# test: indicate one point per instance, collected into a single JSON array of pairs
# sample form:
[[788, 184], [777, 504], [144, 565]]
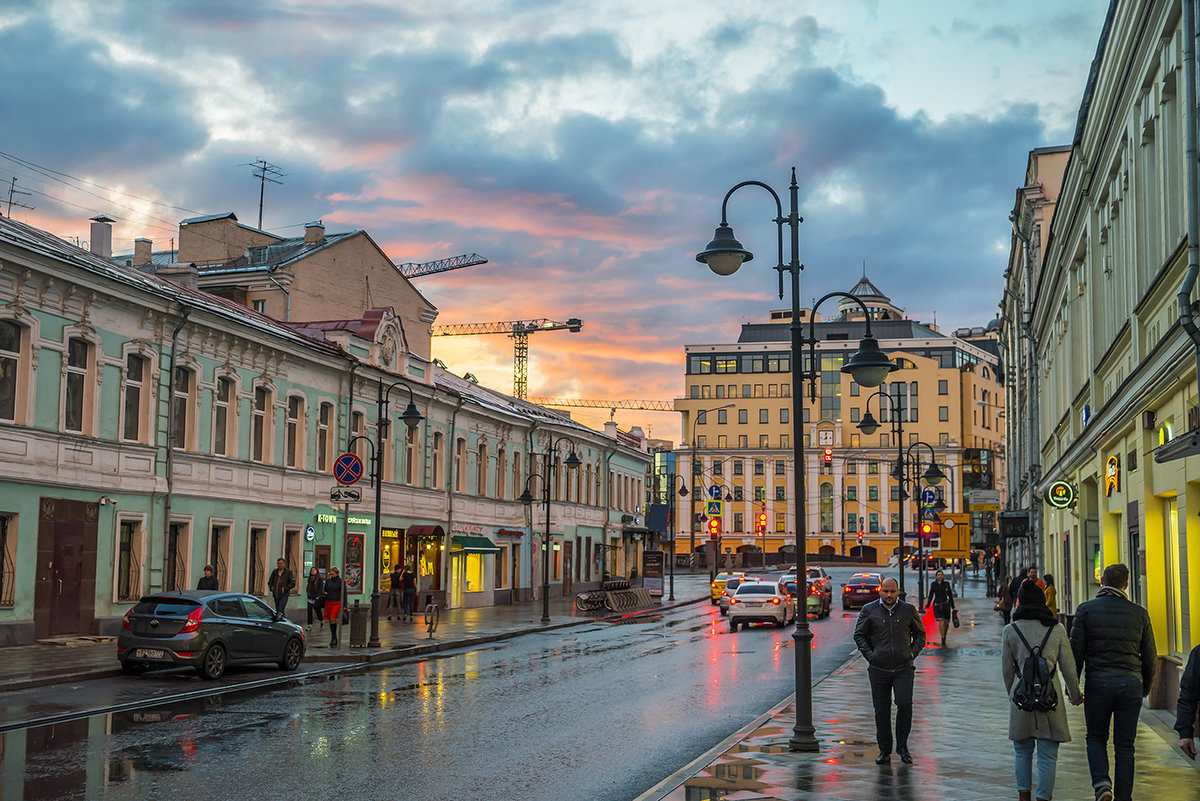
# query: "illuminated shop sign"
[[1112, 475], [1060, 495]]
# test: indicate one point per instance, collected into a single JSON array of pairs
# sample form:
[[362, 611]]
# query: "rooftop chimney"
[[314, 233], [101, 236], [141, 252], [182, 273]]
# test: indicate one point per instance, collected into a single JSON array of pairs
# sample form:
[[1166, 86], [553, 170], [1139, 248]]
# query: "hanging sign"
[[1112, 475], [1060, 495]]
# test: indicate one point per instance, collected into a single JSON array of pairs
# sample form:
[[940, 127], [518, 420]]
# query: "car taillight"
[[845, 589], [714, 585], [125, 621], [193, 621], [732, 601], [725, 593], [775, 601]]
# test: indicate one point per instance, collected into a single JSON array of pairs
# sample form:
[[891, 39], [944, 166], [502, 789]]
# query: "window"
[[780, 467], [743, 441], [718, 467], [912, 402], [943, 413], [873, 492], [324, 439], [8, 554], [77, 407], [944, 438], [943, 387], [853, 390], [739, 521], [130, 542], [136, 398], [182, 403], [783, 415], [779, 523], [220, 547], [785, 441], [720, 392], [701, 418], [852, 493], [737, 494], [873, 525], [412, 453], [760, 493], [256, 563], [737, 467], [764, 416], [259, 306], [481, 469], [854, 440], [460, 465], [13, 367], [722, 416], [224, 416], [895, 521], [502, 471], [763, 440], [295, 432], [178, 555], [851, 521], [722, 441], [260, 428], [872, 468], [745, 394], [851, 467], [826, 501], [780, 493], [439, 456], [854, 415], [894, 492], [759, 467], [358, 428], [743, 416]]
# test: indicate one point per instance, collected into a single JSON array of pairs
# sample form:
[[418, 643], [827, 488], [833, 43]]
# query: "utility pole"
[[12, 190], [264, 171]]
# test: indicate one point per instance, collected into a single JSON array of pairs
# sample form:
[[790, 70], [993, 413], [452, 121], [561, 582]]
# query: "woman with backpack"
[[1035, 648]]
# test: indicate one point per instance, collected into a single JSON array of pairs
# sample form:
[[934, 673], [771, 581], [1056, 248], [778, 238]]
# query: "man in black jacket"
[[281, 583], [1185, 710], [1113, 645], [890, 636]]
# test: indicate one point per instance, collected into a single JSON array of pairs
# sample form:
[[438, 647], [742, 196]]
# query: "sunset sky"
[[583, 148]]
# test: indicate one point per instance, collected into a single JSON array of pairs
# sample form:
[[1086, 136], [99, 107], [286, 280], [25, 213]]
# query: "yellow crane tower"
[[519, 330]]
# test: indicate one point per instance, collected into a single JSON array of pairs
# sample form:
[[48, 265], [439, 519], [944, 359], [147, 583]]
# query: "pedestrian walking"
[[1113, 644], [1051, 595], [1185, 709], [408, 592], [890, 636], [315, 594], [941, 598], [1004, 600], [281, 584], [333, 603], [1035, 627], [209, 580], [393, 599]]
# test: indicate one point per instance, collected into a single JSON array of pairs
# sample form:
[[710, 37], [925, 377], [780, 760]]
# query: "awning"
[[424, 531], [473, 544]]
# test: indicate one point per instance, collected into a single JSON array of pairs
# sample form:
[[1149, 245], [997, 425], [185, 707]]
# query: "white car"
[[760, 602], [730, 588]]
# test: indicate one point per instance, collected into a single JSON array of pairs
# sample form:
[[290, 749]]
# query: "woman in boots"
[[315, 592], [1040, 731], [333, 603]]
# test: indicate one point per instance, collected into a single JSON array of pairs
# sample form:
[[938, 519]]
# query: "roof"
[[276, 254], [365, 327], [864, 288], [840, 329]]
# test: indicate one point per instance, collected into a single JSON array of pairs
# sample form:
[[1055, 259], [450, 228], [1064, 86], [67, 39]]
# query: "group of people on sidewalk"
[[1111, 643]]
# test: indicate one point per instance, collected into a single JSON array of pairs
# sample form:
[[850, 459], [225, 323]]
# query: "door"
[[267, 636], [68, 578], [322, 563], [567, 567], [516, 572], [64, 596]]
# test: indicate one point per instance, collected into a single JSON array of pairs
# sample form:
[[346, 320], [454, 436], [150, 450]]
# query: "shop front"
[[511, 586], [422, 547], [473, 561]]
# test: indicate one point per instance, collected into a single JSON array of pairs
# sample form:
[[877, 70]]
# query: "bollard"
[[432, 613], [359, 617]]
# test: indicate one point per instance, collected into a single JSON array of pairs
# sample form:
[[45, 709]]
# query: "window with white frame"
[[501, 470], [460, 465], [136, 401], [411, 453], [14, 370], [439, 460], [481, 469], [224, 431], [295, 431], [358, 428], [78, 376], [220, 551], [257, 559], [8, 557], [178, 556], [260, 428], [182, 404], [131, 542], [325, 438]]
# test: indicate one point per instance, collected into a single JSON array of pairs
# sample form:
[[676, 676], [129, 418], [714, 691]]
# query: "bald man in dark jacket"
[[1113, 645]]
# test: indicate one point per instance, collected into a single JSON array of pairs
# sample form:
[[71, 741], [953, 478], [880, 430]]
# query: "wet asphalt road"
[[602, 711]]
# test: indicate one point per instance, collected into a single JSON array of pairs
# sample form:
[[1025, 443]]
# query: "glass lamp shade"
[[683, 492], [939, 506], [869, 366], [526, 498], [411, 416], [868, 425], [724, 254], [933, 475], [572, 460]]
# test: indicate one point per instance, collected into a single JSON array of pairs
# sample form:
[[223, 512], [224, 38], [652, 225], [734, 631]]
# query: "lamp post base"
[[804, 736], [374, 641]]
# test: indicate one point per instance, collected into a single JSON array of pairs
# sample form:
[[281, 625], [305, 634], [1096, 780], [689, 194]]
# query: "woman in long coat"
[[1040, 731]]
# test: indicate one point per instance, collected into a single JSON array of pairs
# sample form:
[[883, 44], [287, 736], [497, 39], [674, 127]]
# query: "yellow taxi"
[[719, 584]]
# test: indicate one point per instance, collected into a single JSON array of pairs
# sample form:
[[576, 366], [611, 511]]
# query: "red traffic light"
[[860, 538], [827, 454], [761, 522], [714, 527], [926, 529]]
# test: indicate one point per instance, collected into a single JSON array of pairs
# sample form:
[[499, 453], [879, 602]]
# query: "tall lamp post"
[[411, 416], [932, 476], [869, 425], [695, 472], [869, 367], [681, 482], [572, 461]]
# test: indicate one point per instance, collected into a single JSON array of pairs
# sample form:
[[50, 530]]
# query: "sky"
[[583, 148]]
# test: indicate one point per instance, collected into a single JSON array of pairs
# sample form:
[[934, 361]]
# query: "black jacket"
[[208, 583], [282, 582], [1189, 692], [940, 592], [1112, 636], [316, 588], [889, 639], [333, 590]]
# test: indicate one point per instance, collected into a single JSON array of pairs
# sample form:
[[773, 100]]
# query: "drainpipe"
[[452, 460], [1191, 199], [1031, 389], [283, 289], [170, 458]]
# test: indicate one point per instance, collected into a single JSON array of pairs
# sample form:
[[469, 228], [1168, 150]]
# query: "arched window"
[[460, 465], [481, 470], [439, 457], [14, 370], [501, 471]]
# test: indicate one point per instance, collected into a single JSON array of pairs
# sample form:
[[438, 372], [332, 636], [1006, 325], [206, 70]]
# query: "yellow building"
[[737, 434]]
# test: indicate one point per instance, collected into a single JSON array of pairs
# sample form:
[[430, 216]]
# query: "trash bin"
[[360, 615]]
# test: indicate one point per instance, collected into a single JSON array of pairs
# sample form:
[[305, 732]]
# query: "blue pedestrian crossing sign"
[[713, 508]]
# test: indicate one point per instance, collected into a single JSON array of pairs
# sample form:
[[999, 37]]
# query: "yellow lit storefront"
[[472, 562]]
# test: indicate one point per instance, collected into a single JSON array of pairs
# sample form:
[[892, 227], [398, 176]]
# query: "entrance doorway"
[[322, 559], [66, 566], [567, 562]]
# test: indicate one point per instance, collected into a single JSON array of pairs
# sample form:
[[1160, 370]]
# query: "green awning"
[[462, 542]]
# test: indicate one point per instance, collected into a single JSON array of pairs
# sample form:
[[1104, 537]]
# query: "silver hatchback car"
[[208, 630]]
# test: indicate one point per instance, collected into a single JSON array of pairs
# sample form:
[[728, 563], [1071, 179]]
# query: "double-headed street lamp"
[[869, 425], [932, 476], [869, 367], [681, 482], [411, 416], [572, 461], [694, 518]]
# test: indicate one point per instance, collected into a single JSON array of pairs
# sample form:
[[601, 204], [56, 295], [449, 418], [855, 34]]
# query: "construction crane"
[[519, 330], [582, 403], [415, 270]]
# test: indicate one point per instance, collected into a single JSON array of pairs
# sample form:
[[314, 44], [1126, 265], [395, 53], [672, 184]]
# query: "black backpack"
[[1034, 691]]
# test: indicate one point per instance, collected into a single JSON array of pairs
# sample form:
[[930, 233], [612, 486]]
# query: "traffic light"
[[714, 527], [827, 454], [761, 523], [860, 538], [926, 529]]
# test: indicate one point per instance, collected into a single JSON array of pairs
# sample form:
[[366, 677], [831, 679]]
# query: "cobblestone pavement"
[[959, 740]]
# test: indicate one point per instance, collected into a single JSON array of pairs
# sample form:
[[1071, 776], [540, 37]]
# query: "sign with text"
[[652, 571], [955, 536]]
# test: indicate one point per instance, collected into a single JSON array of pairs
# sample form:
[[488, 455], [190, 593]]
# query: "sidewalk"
[[40, 665], [959, 740]]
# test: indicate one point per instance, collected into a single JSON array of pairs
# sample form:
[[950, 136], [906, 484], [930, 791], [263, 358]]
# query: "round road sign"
[[348, 469]]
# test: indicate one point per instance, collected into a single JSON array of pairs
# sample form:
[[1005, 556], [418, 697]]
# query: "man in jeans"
[[281, 584], [1113, 645], [890, 636]]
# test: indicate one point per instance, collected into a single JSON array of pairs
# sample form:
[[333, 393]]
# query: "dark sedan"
[[861, 589], [208, 630]]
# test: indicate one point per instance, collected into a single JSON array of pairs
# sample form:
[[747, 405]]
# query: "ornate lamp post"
[[869, 425], [411, 416], [681, 482], [869, 367], [932, 476], [572, 461], [695, 472]]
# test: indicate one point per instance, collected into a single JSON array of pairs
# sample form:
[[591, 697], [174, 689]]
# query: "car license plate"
[[752, 604], [149, 653]]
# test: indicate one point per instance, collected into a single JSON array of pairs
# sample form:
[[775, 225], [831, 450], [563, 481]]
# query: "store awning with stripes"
[[470, 544]]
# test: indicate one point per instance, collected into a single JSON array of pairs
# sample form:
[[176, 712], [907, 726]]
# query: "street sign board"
[[955, 536], [713, 508], [714, 492], [348, 469], [928, 496], [345, 495], [985, 500]]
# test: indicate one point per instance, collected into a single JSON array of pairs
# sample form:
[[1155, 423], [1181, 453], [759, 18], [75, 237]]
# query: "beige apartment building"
[[737, 434]]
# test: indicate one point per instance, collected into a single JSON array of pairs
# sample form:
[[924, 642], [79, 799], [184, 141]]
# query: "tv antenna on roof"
[[264, 171]]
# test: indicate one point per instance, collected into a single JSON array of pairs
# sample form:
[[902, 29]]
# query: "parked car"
[[208, 630], [818, 576], [760, 602], [819, 599], [730, 587], [719, 584], [861, 589]]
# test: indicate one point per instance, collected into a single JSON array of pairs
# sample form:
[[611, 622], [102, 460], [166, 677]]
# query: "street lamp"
[[869, 368], [411, 416], [695, 472], [869, 425], [572, 461], [681, 482], [932, 476]]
